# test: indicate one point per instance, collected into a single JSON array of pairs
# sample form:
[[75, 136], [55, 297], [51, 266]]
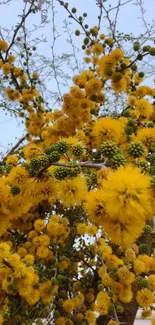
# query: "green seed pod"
[[109, 149], [54, 157], [135, 149], [152, 51], [62, 146], [61, 173], [77, 32], [78, 150], [109, 73], [143, 283], [117, 161], [15, 190], [126, 113], [146, 48], [117, 76], [136, 46], [147, 229], [143, 165], [150, 125], [143, 249], [141, 74], [74, 10]]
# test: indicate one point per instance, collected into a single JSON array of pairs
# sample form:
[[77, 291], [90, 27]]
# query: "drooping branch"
[[13, 149]]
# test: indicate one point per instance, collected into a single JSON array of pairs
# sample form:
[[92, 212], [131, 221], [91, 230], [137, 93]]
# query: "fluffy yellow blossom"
[[72, 191], [139, 267], [151, 281], [146, 313], [105, 129], [3, 45], [145, 298], [95, 206], [144, 107], [146, 135], [18, 176], [4, 251], [68, 305], [39, 225], [102, 303], [90, 317], [127, 203], [153, 320], [12, 160]]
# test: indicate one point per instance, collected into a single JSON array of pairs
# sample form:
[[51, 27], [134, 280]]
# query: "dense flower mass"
[[77, 193]]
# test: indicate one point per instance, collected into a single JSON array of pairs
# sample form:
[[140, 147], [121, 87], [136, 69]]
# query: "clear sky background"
[[128, 21]]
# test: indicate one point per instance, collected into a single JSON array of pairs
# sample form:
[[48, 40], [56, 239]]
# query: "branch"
[[13, 148], [19, 26]]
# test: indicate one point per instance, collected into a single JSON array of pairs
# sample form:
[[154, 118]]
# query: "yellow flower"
[[151, 280], [60, 321], [28, 259], [127, 203], [93, 86], [102, 303], [34, 297], [1, 319], [144, 107], [126, 194], [22, 252], [18, 176], [46, 291], [98, 49], [90, 317], [125, 276], [146, 135], [39, 225], [130, 254], [146, 313], [4, 251], [72, 191], [68, 305], [81, 228], [145, 298], [12, 160], [107, 128], [95, 206], [3, 45], [139, 267], [42, 252]]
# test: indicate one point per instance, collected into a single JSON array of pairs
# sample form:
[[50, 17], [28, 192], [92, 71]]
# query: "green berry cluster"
[[126, 113], [117, 161], [15, 190], [147, 229], [54, 157], [78, 150], [143, 283], [135, 149], [62, 147], [145, 168], [71, 170], [143, 249], [38, 162], [109, 149]]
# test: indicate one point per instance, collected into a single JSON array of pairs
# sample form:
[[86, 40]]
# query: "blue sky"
[[10, 128]]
